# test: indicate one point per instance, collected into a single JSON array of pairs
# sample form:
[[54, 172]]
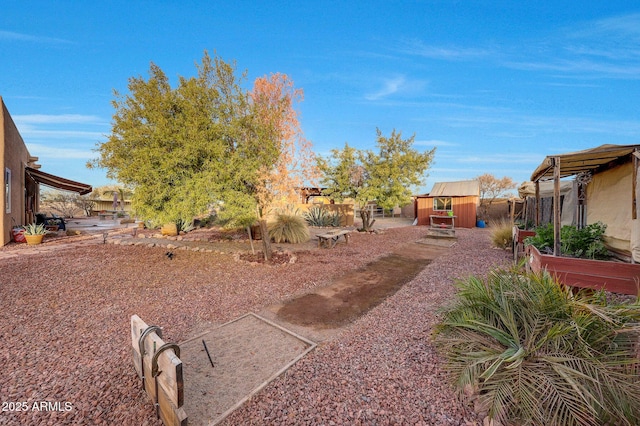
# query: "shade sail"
[[582, 161], [58, 182]]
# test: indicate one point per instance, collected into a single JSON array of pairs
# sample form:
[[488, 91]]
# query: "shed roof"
[[463, 188], [573, 163]]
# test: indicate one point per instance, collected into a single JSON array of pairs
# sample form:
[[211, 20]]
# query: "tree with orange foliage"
[[491, 188], [273, 105], [273, 100]]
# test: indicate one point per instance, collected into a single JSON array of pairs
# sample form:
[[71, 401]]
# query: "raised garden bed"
[[518, 241], [615, 277]]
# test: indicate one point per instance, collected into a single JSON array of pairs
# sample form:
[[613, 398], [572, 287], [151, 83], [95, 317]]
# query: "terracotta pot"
[[33, 240], [170, 229]]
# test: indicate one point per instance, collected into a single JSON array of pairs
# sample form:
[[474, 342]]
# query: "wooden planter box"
[[616, 277], [518, 241]]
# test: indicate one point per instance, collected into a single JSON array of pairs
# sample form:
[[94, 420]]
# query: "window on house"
[[442, 204], [7, 190]]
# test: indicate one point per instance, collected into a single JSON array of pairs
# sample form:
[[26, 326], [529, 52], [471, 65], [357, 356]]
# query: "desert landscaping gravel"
[[64, 332]]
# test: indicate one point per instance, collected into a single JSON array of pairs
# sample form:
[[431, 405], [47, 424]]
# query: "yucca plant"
[[288, 228], [536, 354], [502, 234]]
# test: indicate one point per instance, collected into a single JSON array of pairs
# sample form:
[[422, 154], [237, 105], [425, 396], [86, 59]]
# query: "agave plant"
[[35, 229], [288, 228], [536, 354], [318, 216]]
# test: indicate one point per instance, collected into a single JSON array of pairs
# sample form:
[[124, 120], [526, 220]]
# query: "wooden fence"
[[159, 367]]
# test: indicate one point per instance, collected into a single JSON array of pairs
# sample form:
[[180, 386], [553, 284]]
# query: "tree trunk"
[[266, 241], [367, 222], [250, 240]]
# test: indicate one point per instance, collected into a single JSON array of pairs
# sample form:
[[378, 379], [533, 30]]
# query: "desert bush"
[[318, 216], [586, 242], [288, 228], [536, 354], [502, 234]]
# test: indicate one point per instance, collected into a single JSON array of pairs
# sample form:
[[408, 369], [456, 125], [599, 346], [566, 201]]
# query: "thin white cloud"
[[48, 152], [28, 132], [435, 142], [390, 87], [498, 158], [604, 48], [56, 119], [531, 125], [60, 126], [396, 85], [623, 28], [13, 36], [416, 47]]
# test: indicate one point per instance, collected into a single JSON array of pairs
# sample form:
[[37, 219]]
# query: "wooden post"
[[634, 205], [537, 203], [556, 206]]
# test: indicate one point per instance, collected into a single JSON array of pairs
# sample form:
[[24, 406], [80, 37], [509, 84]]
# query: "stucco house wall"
[[14, 157]]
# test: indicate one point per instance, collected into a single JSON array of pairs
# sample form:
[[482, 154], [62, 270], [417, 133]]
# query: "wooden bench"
[[104, 215], [330, 239]]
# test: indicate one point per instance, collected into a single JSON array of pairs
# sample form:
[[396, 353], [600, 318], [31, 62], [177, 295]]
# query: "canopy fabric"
[[464, 188], [528, 189], [582, 161], [58, 182]]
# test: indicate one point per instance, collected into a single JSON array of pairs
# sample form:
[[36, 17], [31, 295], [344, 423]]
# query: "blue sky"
[[495, 86]]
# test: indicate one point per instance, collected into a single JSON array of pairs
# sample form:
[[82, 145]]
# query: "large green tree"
[[386, 176], [187, 149]]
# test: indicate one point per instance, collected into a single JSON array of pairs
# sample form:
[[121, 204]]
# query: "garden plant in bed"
[[585, 243]]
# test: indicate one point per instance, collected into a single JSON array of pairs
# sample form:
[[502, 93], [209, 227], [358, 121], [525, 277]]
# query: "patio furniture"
[[330, 239], [41, 218]]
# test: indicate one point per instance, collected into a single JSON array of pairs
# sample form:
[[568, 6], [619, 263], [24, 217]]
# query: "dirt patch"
[[356, 293], [277, 257], [247, 353]]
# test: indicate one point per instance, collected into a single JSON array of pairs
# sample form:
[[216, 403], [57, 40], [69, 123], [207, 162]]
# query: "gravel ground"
[[64, 328], [383, 370]]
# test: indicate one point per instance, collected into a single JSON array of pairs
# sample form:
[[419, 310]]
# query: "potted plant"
[[34, 233], [52, 225]]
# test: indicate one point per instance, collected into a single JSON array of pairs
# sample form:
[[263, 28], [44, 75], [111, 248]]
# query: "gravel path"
[[64, 322], [383, 370]]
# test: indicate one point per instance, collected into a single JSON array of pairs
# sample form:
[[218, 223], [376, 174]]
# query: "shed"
[[607, 181], [461, 197]]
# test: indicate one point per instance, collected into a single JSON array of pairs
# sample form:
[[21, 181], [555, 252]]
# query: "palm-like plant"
[[536, 354]]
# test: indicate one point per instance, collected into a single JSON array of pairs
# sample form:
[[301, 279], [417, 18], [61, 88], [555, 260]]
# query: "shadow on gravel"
[[354, 294]]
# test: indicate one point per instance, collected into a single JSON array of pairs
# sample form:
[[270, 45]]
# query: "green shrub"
[[318, 216], [586, 242], [536, 354], [288, 228], [502, 234]]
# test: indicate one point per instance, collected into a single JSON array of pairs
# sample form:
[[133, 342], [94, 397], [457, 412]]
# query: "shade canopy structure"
[[57, 182], [601, 174], [589, 160]]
